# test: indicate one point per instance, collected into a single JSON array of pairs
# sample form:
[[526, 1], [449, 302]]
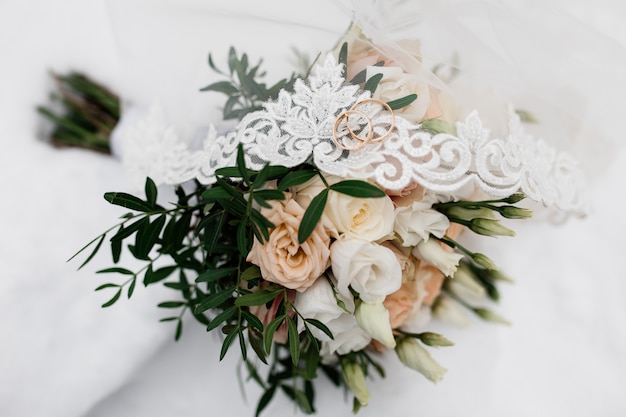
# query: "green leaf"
[[312, 215], [122, 271], [320, 326], [265, 400], [270, 194], [179, 330], [253, 320], [372, 84], [303, 402], [147, 236], [109, 285], [221, 318], [242, 345], [129, 230], [93, 253], [358, 188], [295, 178], [213, 225], [343, 58], [213, 275], [114, 299], [227, 342], [250, 273], [171, 304], [162, 273], [241, 164], [257, 346], [257, 298], [221, 87], [151, 192], [214, 300], [233, 61], [294, 341], [215, 193], [242, 237], [276, 171], [402, 102], [116, 250], [131, 287], [360, 77], [128, 201], [270, 329]]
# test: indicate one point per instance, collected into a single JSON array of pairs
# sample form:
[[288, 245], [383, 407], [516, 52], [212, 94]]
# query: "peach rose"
[[400, 304], [433, 286], [281, 258]]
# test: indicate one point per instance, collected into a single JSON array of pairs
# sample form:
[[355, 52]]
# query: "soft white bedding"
[[63, 356]]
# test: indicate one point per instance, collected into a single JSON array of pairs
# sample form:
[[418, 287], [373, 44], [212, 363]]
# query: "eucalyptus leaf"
[[151, 192], [295, 178], [214, 300], [113, 299], [257, 298], [402, 102], [372, 84], [221, 87], [227, 342], [312, 215], [358, 189], [128, 201], [294, 340], [213, 275], [221, 318]]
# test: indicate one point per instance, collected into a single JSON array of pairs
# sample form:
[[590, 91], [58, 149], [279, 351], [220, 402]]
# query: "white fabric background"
[[61, 355]]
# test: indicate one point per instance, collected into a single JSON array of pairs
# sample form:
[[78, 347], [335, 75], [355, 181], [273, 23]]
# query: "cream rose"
[[281, 258], [369, 219], [370, 269]]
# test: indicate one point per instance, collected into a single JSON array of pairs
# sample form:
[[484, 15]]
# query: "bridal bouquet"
[[324, 230]]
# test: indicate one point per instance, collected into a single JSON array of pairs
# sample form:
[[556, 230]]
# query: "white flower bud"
[[415, 356], [355, 379], [431, 252], [374, 319], [449, 311]]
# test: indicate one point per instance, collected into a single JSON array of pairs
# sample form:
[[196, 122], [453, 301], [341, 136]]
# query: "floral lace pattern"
[[298, 128]]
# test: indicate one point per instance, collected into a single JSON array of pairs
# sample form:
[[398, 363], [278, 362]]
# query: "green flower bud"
[[434, 339], [436, 126], [489, 227], [484, 261], [415, 356], [355, 379], [512, 212], [464, 282], [489, 315], [467, 214], [514, 198]]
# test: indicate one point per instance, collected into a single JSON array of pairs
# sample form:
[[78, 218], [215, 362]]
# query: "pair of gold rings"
[[362, 141]]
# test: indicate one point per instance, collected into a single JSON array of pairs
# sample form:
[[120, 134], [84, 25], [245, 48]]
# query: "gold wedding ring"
[[362, 142]]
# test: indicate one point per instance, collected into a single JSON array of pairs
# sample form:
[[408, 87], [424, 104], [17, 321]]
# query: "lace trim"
[[298, 128]]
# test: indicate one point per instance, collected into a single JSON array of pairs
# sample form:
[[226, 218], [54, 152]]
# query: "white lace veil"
[[542, 58]]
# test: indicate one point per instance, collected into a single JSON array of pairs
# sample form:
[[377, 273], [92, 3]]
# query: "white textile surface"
[[63, 356]]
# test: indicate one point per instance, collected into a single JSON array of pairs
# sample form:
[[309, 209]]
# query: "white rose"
[[318, 302], [416, 222], [369, 219], [370, 269], [431, 252], [396, 84]]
